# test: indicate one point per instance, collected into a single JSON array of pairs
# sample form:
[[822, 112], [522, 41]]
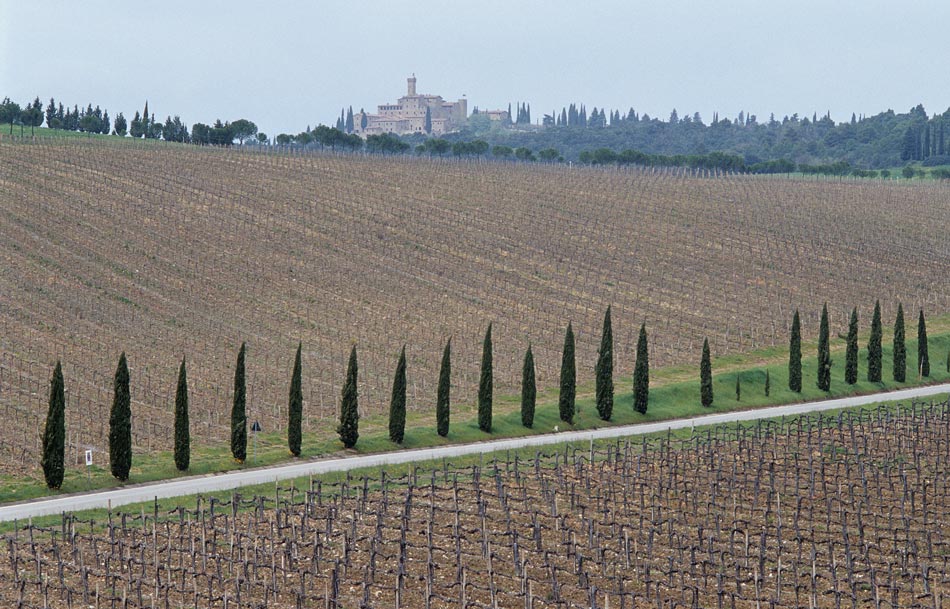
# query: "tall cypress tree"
[[568, 378], [641, 373], [349, 427], [182, 432], [923, 354], [397, 405], [529, 391], [824, 352], [604, 372], [851, 353], [54, 435], [445, 386], [485, 385], [120, 423], [705, 377], [768, 383], [239, 411], [874, 346], [795, 355], [295, 406], [900, 347]]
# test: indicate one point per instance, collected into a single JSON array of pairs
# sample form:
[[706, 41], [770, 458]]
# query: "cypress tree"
[[851, 353], [604, 371], [239, 411], [738, 388], [923, 354], [397, 405], [349, 405], [900, 348], [182, 433], [295, 406], [442, 397], [485, 385], [705, 377], [529, 391], [568, 392], [768, 383], [641, 373], [120, 423], [795, 355], [874, 346], [824, 352], [54, 435]]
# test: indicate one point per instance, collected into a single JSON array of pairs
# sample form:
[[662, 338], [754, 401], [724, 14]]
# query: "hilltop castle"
[[408, 115]]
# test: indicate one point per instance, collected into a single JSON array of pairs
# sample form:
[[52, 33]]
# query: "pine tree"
[[442, 397], [641, 373], [239, 411], [795, 355], [529, 391], [182, 432], [54, 435], [705, 377], [397, 405], [604, 372], [568, 378], [120, 423], [295, 405], [874, 346], [349, 405], [768, 383], [900, 348], [851, 353], [824, 352], [923, 355], [485, 385]]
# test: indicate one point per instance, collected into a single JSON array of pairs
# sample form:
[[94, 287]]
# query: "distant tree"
[[438, 146], [243, 130], [851, 353], [364, 120], [874, 346], [641, 373], [445, 385], [32, 115], [261, 138], [295, 405], [397, 405], [568, 378], [524, 154], [349, 120], [282, 139], [239, 410], [51, 114], [120, 423], [182, 432], [529, 390], [54, 434], [705, 377], [900, 348], [349, 426], [428, 123], [502, 152], [923, 355], [549, 154], [824, 352], [604, 371], [10, 112], [738, 387], [485, 385], [795, 355], [136, 128], [768, 383]]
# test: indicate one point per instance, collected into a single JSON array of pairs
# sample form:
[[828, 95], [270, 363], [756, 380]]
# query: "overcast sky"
[[286, 64]]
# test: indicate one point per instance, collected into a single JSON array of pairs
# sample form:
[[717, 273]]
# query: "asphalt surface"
[[230, 480]]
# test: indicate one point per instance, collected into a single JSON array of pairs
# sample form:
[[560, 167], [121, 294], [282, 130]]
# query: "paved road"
[[225, 481]]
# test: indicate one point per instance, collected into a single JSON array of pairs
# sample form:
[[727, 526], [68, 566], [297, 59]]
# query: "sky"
[[288, 64]]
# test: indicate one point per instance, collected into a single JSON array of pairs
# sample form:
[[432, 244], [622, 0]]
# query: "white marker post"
[[89, 466]]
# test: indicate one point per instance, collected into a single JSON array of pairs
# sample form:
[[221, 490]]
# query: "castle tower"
[[412, 85]]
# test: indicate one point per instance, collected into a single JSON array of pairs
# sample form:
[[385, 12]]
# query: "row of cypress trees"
[[874, 350]]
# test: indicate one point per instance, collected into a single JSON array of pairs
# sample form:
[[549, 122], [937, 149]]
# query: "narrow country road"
[[230, 480]]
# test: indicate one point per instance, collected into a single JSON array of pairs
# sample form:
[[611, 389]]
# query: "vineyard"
[[167, 252], [840, 510]]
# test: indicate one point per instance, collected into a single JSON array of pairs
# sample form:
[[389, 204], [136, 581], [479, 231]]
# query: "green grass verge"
[[674, 394]]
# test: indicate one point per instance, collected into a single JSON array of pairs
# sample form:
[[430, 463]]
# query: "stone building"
[[408, 115]]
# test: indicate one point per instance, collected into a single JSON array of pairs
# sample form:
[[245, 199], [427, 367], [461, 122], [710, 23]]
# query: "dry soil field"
[[170, 251]]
